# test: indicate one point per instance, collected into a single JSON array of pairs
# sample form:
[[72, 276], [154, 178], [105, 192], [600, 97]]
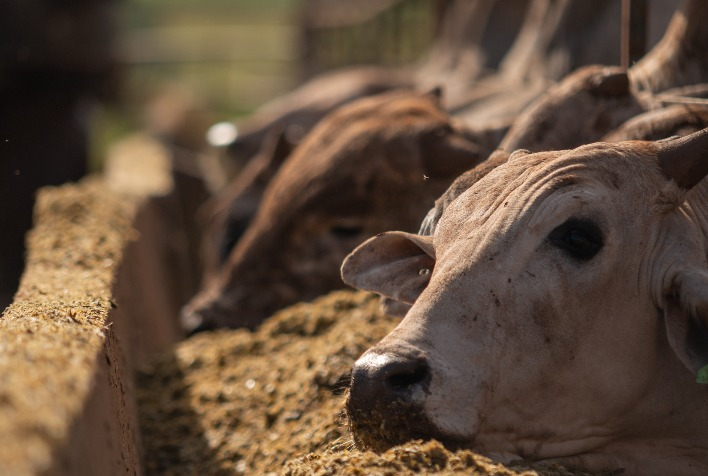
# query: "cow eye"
[[346, 231], [231, 234], [581, 239], [444, 130]]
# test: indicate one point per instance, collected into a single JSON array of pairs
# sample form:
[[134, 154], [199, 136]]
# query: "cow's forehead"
[[345, 153], [516, 190]]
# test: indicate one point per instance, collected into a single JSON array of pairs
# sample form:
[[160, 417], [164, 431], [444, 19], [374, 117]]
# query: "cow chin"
[[378, 429], [206, 315]]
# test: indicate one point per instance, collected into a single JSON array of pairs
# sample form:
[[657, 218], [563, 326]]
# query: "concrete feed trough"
[[84, 314]]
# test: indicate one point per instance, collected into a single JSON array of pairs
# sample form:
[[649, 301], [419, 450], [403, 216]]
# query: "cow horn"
[[685, 160]]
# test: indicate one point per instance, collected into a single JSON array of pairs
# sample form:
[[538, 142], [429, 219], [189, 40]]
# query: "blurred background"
[[77, 75], [227, 57]]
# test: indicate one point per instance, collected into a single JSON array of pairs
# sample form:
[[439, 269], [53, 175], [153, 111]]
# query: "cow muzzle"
[[208, 311], [385, 402]]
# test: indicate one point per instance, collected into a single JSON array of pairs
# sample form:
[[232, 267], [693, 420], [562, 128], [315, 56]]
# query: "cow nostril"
[[380, 379], [411, 374]]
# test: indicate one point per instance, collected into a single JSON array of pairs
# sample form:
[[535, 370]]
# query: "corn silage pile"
[[271, 402]]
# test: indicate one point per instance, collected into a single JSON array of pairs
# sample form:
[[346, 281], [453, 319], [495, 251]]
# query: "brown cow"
[[226, 216], [583, 107], [373, 163]]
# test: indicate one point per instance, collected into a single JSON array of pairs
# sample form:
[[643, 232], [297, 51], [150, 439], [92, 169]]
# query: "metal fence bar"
[[634, 31]]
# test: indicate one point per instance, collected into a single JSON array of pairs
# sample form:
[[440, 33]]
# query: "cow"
[[376, 162], [560, 314], [226, 216], [585, 105]]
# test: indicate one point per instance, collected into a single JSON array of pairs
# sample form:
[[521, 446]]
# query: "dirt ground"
[[270, 402]]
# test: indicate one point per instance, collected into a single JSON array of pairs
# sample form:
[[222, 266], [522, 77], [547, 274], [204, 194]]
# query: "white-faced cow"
[[560, 313], [378, 161]]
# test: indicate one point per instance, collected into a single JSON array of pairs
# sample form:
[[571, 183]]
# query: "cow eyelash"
[[581, 239], [344, 232], [231, 234]]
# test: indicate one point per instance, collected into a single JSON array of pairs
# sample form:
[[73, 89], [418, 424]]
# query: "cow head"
[[377, 162], [580, 109], [226, 217], [559, 298]]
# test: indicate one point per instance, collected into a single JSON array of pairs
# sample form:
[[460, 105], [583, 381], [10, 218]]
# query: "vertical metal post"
[[634, 31]]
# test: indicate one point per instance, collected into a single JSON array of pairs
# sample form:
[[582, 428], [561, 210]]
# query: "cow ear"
[[686, 315], [280, 147], [394, 264], [435, 94], [612, 82]]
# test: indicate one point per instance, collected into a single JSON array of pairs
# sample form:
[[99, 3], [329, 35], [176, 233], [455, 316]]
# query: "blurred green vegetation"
[[224, 58], [228, 56], [142, 12], [235, 54]]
